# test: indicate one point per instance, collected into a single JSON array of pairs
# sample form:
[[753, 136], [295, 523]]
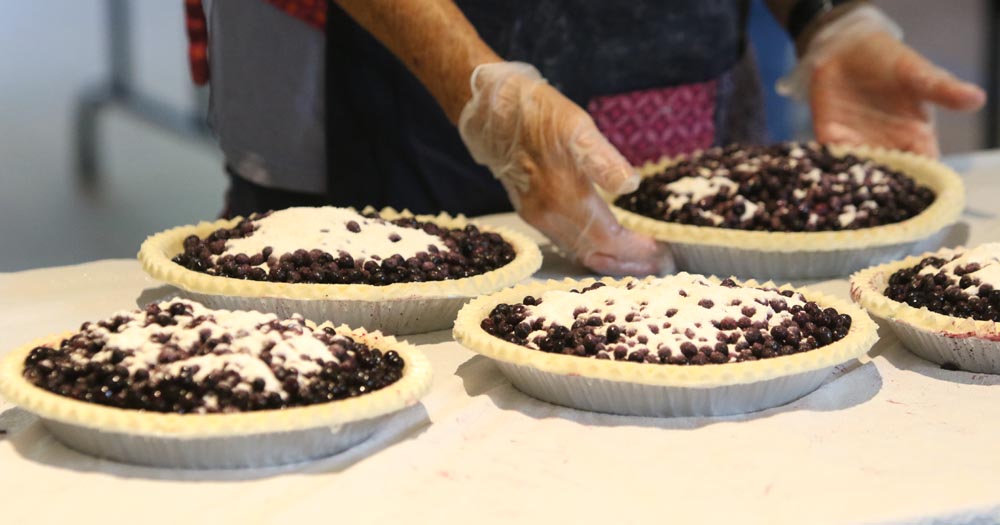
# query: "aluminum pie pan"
[[811, 255], [966, 344], [401, 308], [219, 441], [660, 390]]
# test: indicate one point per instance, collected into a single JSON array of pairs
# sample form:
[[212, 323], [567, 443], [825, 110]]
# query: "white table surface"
[[895, 439]]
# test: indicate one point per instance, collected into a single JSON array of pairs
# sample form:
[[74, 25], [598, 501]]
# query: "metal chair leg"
[[88, 108]]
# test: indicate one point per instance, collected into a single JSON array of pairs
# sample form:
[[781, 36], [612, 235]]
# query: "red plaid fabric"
[[197, 32], [312, 12], [647, 125]]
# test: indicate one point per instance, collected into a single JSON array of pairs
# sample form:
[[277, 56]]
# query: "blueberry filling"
[[459, 253], [952, 286], [785, 187], [181, 357], [671, 324]]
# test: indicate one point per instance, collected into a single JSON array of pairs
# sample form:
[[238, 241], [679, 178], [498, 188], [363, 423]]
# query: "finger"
[[584, 227], [658, 263], [605, 246], [647, 258], [939, 86], [915, 139], [836, 133], [846, 123], [601, 162]]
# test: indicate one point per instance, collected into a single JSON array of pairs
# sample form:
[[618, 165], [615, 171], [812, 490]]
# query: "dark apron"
[[390, 144]]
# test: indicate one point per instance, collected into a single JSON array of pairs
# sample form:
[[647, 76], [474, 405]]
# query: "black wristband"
[[806, 11]]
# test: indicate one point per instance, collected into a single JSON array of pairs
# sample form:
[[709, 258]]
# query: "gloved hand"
[[548, 153], [865, 86]]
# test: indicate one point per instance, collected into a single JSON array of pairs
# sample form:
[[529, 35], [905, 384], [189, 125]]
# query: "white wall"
[[952, 34]]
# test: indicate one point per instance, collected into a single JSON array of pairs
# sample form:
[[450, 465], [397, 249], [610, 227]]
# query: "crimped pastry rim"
[[407, 391], [945, 210], [867, 290], [467, 331], [158, 249]]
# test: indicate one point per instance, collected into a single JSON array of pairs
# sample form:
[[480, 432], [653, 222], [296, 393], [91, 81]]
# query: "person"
[[413, 104]]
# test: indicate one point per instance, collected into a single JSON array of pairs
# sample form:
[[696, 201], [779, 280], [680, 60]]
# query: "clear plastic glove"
[[548, 153], [865, 86]]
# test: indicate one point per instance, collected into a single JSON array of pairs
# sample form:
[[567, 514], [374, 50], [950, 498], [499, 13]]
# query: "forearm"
[[782, 11], [432, 38]]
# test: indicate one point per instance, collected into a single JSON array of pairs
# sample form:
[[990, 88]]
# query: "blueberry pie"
[[179, 384], [676, 345], [945, 305], [792, 210], [383, 270]]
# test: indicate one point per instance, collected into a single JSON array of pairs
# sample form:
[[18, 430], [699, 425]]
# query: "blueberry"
[[823, 335], [727, 323], [179, 309]]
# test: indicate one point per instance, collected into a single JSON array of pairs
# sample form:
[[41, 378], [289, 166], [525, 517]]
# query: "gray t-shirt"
[[267, 94]]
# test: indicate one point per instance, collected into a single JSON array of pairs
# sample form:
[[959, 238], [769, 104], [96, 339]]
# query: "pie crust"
[[809, 255], [624, 387], [233, 440], [401, 308], [969, 344]]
